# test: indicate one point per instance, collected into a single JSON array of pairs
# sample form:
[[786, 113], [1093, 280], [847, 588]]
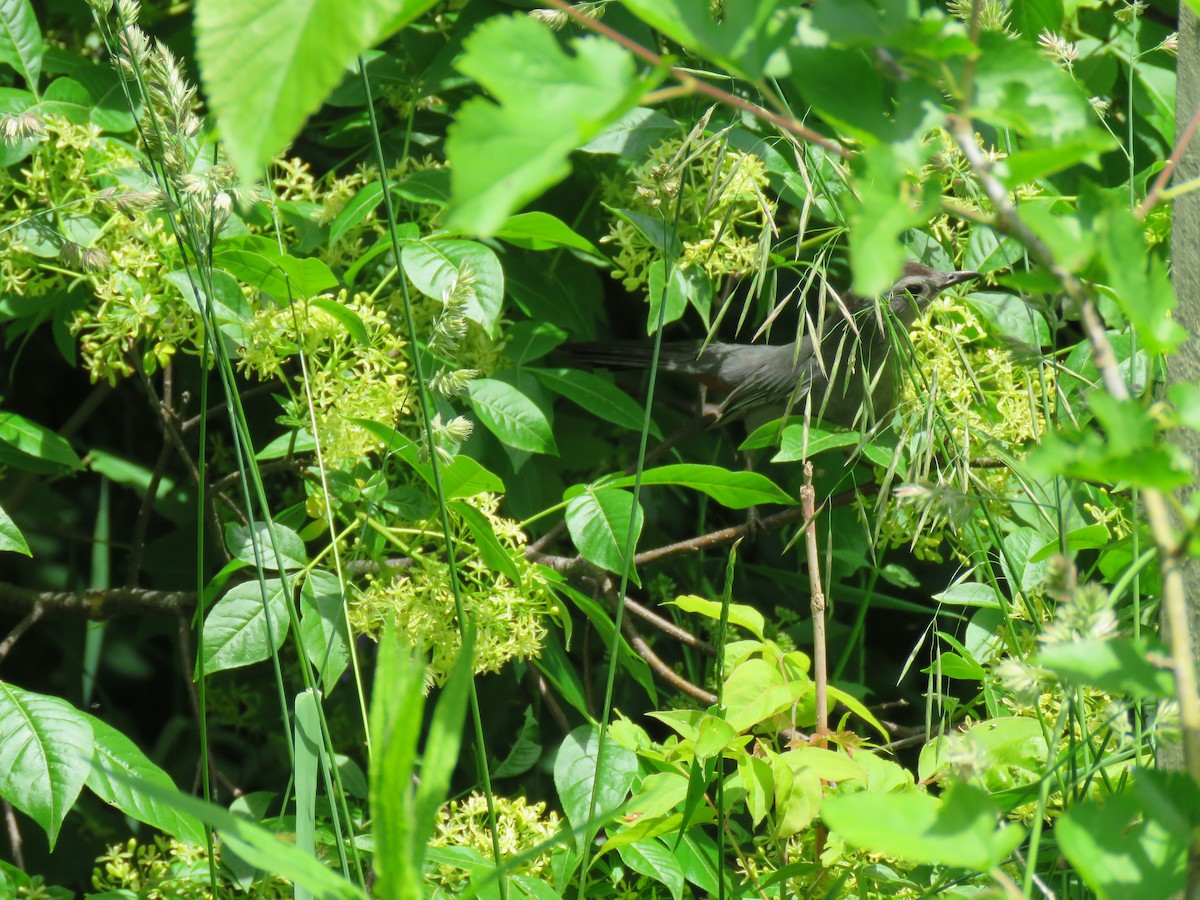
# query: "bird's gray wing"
[[768, 381]]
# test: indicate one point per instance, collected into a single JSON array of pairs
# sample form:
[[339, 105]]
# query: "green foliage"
[[290, 377]]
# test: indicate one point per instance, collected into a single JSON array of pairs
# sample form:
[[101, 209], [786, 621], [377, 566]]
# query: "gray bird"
[[850, 381]]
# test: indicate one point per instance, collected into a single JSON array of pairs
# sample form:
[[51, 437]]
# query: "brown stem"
[[1165, 175], [31, 618], [820, 659]]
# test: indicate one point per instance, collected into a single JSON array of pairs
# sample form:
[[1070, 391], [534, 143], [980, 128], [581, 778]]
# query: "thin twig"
[[808, 504], [1164, 176], [31, 618]]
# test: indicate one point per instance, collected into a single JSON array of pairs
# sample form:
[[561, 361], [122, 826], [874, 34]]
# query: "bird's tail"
[[673, 357]]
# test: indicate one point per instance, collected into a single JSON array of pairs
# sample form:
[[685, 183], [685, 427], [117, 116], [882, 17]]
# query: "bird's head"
[[917, 287]]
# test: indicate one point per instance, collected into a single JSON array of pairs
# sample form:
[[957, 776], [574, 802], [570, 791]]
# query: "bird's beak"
[[953, 278]]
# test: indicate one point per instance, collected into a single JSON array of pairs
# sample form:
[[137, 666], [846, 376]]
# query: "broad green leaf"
[[599, 397], [1086, 537], [844, 86], [294, 52], [237, 631], [511, 416], [742, 38], [736, 490], [323, 627], [253, 545], [542, 231], [755, 691], [1140, 283], [21, 40], [252, 843], [505, 153], [306, 276], [25, 444], [45, 753], [959, 829], [116, 753], [1119, 665], [466, 478], [575, 772], [970, 593], [633, 134], [651, 858], [436, 267], [598, 521], [11, 539], [800, 442], [356, 209], [1134, 844], [739, 614], [1015, 86], [348, 318]]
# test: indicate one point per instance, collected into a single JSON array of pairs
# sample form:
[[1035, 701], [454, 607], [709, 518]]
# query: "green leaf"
[[599, 397], [504, 154], [21, 40], [45, 749], [27, 445], [970, 593], [598, 522], [1014, 86], [649, 857], [960, 829], [511, 416], [349, 319], [736, 490], [323, 627], [494, 554], [306, 276], [800, 442], [1118, 665], [1135, 843], [739, 614], [1139, 281], [542, 231], [116, 753], [11, 539], [742, 39], [1031, 17], [294, 52], [435, 267], [755, 691], [575, 771], [253, 545], [237, 631]]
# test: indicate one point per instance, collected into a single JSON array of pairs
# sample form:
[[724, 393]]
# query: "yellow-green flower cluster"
[[520, 826], [509, 617], [711, 195], [170, 869], [344, 379], [954, 363]]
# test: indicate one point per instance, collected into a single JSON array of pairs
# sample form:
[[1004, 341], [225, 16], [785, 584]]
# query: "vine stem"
[[1155, 503]]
